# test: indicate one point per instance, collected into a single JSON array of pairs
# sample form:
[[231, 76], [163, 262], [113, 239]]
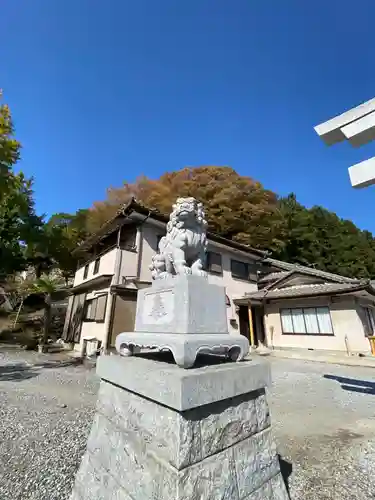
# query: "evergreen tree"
[[18, 221]]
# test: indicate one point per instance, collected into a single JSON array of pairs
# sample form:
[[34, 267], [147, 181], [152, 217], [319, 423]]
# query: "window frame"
[[85, 308], [86, 270], [317, 334], [209, 254], [249, 266], [128, 238], [105, 296], [96, 266], [94, 301]]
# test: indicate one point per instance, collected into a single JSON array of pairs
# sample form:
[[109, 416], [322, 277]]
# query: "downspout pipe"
[[111, 298], [139, 245]]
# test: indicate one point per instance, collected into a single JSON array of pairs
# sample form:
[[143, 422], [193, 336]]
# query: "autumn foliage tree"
[[233, 203], [239, 208]]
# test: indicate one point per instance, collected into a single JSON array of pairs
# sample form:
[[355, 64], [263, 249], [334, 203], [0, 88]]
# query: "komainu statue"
[[182, 250]]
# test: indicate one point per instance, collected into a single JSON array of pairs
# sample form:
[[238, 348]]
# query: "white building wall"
[[93, 328], [150, 234], [128, 264], [234, 288], [107, 266], [345, 319]]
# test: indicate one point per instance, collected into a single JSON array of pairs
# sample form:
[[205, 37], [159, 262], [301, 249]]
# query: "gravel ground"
[[45, 417], [324, 422], [323, 418]]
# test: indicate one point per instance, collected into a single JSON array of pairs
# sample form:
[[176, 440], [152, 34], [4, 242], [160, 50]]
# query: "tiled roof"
[[125, 212], [274, 276], [310, 290], [286, 266]]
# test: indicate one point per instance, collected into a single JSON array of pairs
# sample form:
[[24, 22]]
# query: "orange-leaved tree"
[[237, 207]]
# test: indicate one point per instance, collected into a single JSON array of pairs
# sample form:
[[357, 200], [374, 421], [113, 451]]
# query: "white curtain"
[[298, 321], [89, 310], [286, 321], [324, 320], [311, 320]]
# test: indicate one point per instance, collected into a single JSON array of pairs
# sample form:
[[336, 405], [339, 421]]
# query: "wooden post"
[[251, 327]]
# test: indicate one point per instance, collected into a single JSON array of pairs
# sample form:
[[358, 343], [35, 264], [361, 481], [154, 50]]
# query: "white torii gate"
[[357, 126]]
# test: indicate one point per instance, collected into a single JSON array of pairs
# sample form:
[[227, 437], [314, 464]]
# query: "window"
[[95, 309], [214, 264], [90, 306], [86, 271], [101, 305], [244, 270], [253, 270], [239, 269], [96, 266], [307, 320], [128, 237]]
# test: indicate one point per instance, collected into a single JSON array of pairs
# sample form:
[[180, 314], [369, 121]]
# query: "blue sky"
[[102, 91]]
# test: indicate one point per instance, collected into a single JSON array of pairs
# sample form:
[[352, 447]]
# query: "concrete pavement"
[[331, 357]]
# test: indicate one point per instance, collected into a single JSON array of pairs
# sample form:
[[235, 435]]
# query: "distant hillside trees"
[[237, 207]]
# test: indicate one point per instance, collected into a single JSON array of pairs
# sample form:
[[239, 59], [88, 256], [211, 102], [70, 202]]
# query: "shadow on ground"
[[22, 371], [353, 384], [286, 469]]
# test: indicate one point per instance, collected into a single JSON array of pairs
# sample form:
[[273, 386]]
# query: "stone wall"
[[138, 450]]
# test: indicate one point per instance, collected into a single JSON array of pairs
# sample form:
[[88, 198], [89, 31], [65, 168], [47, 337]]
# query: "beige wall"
[[345, 322], [91, 328], [234, 288], [148, 247], [107, 266], [128, 264]]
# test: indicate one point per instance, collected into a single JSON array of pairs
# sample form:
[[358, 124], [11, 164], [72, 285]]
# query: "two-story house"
[[281, 304], [114, 264]]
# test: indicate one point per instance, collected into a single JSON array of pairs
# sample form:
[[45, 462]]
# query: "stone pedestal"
[[185, 315], [164, 433], [184, 304]]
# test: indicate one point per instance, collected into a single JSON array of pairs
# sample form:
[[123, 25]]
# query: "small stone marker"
[[163, 432]]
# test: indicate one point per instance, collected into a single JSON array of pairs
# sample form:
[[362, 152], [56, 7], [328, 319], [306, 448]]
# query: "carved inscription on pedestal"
[[158, 307]]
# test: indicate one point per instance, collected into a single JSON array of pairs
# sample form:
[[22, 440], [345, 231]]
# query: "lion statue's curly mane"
[[182, 250]]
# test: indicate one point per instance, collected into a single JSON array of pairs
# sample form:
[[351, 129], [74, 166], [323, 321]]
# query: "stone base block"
[[182, 304], [215, 448], [184, 347]]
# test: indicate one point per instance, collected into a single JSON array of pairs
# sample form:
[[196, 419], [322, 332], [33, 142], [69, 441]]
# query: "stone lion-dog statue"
[[183, 249]]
